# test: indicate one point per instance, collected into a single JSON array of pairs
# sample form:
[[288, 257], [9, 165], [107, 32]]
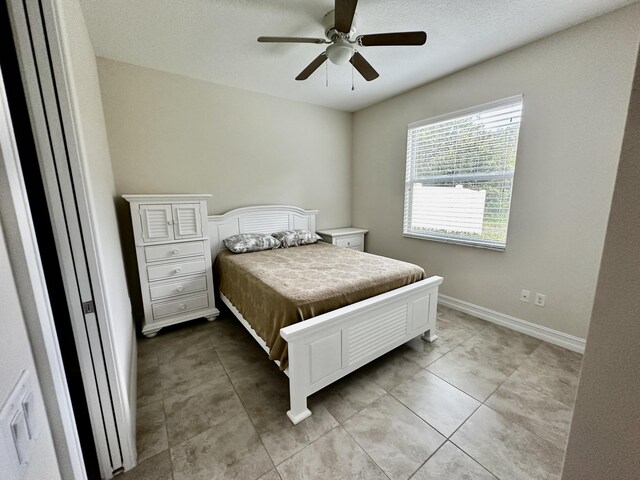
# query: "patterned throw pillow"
[[295, 238], [251, 242]]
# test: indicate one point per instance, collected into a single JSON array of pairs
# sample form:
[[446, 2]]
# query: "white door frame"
[[44, 64], [34, 300]]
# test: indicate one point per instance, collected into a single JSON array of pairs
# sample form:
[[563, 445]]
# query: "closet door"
[[187, 220], [76, 211], [157, 223]]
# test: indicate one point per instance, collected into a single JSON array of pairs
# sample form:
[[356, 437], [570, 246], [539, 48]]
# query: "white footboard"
[[330, 346]]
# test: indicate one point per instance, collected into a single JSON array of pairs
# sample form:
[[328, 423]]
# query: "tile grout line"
[[168, 395], [481, 403], [515, 420], [248, 416], [361, 447], [473, 459], [341, 423], [164, 411]]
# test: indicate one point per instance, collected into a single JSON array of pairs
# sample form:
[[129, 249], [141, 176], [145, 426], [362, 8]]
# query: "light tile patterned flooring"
[[482, 402]]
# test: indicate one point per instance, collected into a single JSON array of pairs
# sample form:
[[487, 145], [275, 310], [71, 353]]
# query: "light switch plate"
[[18, 433]]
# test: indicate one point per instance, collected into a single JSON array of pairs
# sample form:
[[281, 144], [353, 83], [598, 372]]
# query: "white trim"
[[169, 198], [119, 425], [34, 299], [547, 334], [465, 111], [455, 241]]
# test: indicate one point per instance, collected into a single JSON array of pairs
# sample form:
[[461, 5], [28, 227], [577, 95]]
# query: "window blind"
[[459, 175]]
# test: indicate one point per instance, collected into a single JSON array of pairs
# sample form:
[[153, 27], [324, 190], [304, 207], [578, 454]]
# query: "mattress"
[[273, 289]]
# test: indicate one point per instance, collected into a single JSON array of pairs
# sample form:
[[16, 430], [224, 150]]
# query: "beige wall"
[[576, 88], [172, 134], [605, 433]]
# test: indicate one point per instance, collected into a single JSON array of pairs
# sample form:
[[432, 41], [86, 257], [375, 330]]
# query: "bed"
[[340, 336]]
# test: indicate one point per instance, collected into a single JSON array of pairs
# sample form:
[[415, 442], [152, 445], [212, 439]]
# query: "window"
[[460, 175]]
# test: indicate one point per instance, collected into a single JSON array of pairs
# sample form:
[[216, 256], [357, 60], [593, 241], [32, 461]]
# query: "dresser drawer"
[[176, 250], [182, 305], [354, 241], [188, 285], [179, 269]]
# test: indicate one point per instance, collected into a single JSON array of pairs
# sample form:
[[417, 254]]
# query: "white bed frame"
[[330, 346]]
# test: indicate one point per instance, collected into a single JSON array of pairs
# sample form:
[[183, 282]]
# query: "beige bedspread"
[[276, 288]]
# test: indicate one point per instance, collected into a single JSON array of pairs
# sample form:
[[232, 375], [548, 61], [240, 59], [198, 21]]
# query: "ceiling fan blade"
[[312, 67], [345, 10], [366, 70], [291, 40], [397, 38]]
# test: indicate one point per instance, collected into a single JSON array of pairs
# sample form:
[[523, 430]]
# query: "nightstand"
[[347, 237]]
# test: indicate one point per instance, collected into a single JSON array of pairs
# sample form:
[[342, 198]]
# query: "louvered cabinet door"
[[187, 220], [157, 222]]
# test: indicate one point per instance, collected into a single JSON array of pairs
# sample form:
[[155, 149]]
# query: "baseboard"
[[130, 457], [550, 335]]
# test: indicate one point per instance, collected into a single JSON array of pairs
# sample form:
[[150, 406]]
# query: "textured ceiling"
[[215, 40]]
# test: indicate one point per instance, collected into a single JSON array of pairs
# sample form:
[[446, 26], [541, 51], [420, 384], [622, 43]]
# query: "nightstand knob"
[[349, 243], [182, 306], [178, 270], [180, 288], [175, 251]]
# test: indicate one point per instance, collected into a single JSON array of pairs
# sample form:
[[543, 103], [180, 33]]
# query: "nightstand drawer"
[[188, 285], [170, 270], [350, 241], [176, 250], [161, 310]]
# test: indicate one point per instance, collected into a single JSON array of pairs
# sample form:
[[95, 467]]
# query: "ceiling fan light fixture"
[[340, 52]]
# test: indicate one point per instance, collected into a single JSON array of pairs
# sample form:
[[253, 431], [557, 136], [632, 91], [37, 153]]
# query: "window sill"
[[456, 241]]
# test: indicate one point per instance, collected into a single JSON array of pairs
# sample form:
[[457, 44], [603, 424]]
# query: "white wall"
[[605, 433], [16, 356], [173, 134], [576, 88], [91, 138]]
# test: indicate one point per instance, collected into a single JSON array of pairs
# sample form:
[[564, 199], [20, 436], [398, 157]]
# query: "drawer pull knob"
[[349, 243], [178, 270], [175, 251], [180, 288], [182, 306]]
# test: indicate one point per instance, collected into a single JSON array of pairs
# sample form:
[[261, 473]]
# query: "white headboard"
[[258, 219]]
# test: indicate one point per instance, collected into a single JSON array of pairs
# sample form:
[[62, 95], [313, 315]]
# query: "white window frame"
[[410, 178]]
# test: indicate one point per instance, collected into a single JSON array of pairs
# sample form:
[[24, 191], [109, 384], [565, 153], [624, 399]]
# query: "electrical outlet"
[[524, 295], [541, 299]]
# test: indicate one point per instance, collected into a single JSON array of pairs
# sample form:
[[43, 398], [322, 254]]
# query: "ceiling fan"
[[340, 29]]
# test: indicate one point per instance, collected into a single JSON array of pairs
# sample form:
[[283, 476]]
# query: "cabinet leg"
[[151, 334], [430, 335]]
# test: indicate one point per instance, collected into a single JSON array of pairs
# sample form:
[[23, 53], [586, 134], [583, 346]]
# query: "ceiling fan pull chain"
[[353, 87], [326, 72]]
